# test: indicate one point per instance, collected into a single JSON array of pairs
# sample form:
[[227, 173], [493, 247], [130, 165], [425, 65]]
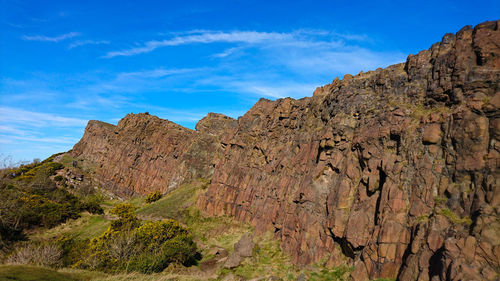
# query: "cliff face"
[[397, 166], [394, 171], [145, 153]]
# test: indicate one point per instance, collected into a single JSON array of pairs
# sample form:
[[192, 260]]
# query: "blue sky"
[[63, 63]]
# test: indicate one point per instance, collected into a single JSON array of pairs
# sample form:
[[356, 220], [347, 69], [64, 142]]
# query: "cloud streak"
[[156, 73], [27, 118], [44, 38], [207, 37], [87, 42], [25, 133]]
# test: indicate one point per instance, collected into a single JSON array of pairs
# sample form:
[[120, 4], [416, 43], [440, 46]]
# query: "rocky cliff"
[[393, 171], [145, 153]]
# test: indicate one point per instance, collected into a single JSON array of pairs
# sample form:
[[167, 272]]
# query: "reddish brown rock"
[[432, 134], [145, 153], [365, 163]]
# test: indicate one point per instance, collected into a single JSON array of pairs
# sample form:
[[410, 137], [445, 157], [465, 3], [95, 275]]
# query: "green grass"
[[439, 200], [85, 227], [174, 204], [336, 273], [180, 205], [32, 273], [268, 259], [420, 110], [454, 218], [85, 166], [423, 218]]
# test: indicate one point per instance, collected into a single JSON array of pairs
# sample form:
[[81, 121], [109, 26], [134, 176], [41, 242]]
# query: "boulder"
[[432, 134]]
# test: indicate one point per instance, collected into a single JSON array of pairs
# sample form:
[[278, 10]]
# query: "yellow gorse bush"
[[148, 247], [153, 196], [154, 233]]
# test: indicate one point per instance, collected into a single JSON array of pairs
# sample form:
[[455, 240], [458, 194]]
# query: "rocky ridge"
[[394, 171], [145, 153]]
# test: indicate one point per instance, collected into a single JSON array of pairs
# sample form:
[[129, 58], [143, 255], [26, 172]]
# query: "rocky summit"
[[393, 172]]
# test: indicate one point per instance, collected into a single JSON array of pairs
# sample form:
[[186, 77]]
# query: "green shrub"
[[124, 210], [155, 233], [148, 248], [93, 207], [180, 249], [31, 199], [45, 168], [454, 218], [439, 200], [58, 178], [127, 219], [153, 197], [72, 249], [39, 210]]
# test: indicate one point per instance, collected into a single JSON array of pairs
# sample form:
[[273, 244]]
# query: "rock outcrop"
[[145, 153], [242, 249], [393, 171]]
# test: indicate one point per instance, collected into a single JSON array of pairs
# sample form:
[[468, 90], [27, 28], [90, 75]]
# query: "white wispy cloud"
[[87, 42], [156, 73], [260, 87], [37, 139], [342, 61], [304, 38], [120, 89], [10, 115], [49, 38], [227, 52], [26, 134], [11, 130], [205, 37], [246, 66], [295, 90], [15, 25]]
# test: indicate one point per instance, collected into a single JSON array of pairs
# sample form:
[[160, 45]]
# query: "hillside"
[[393, 172]]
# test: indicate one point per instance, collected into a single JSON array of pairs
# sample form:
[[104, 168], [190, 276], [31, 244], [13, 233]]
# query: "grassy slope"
[[28, 273], [179, 204], [85, 227], [268, 259], [33, 273]]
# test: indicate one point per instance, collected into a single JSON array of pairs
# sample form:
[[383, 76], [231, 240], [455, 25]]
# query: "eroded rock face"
[[145, 153], [393, 170]]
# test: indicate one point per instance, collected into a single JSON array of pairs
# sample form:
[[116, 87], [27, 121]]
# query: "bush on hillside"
[[127, 219], [153, 197], [180, 249], [129, 246], [30, 198], [41, 255], [73, 249], [92, 205]]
